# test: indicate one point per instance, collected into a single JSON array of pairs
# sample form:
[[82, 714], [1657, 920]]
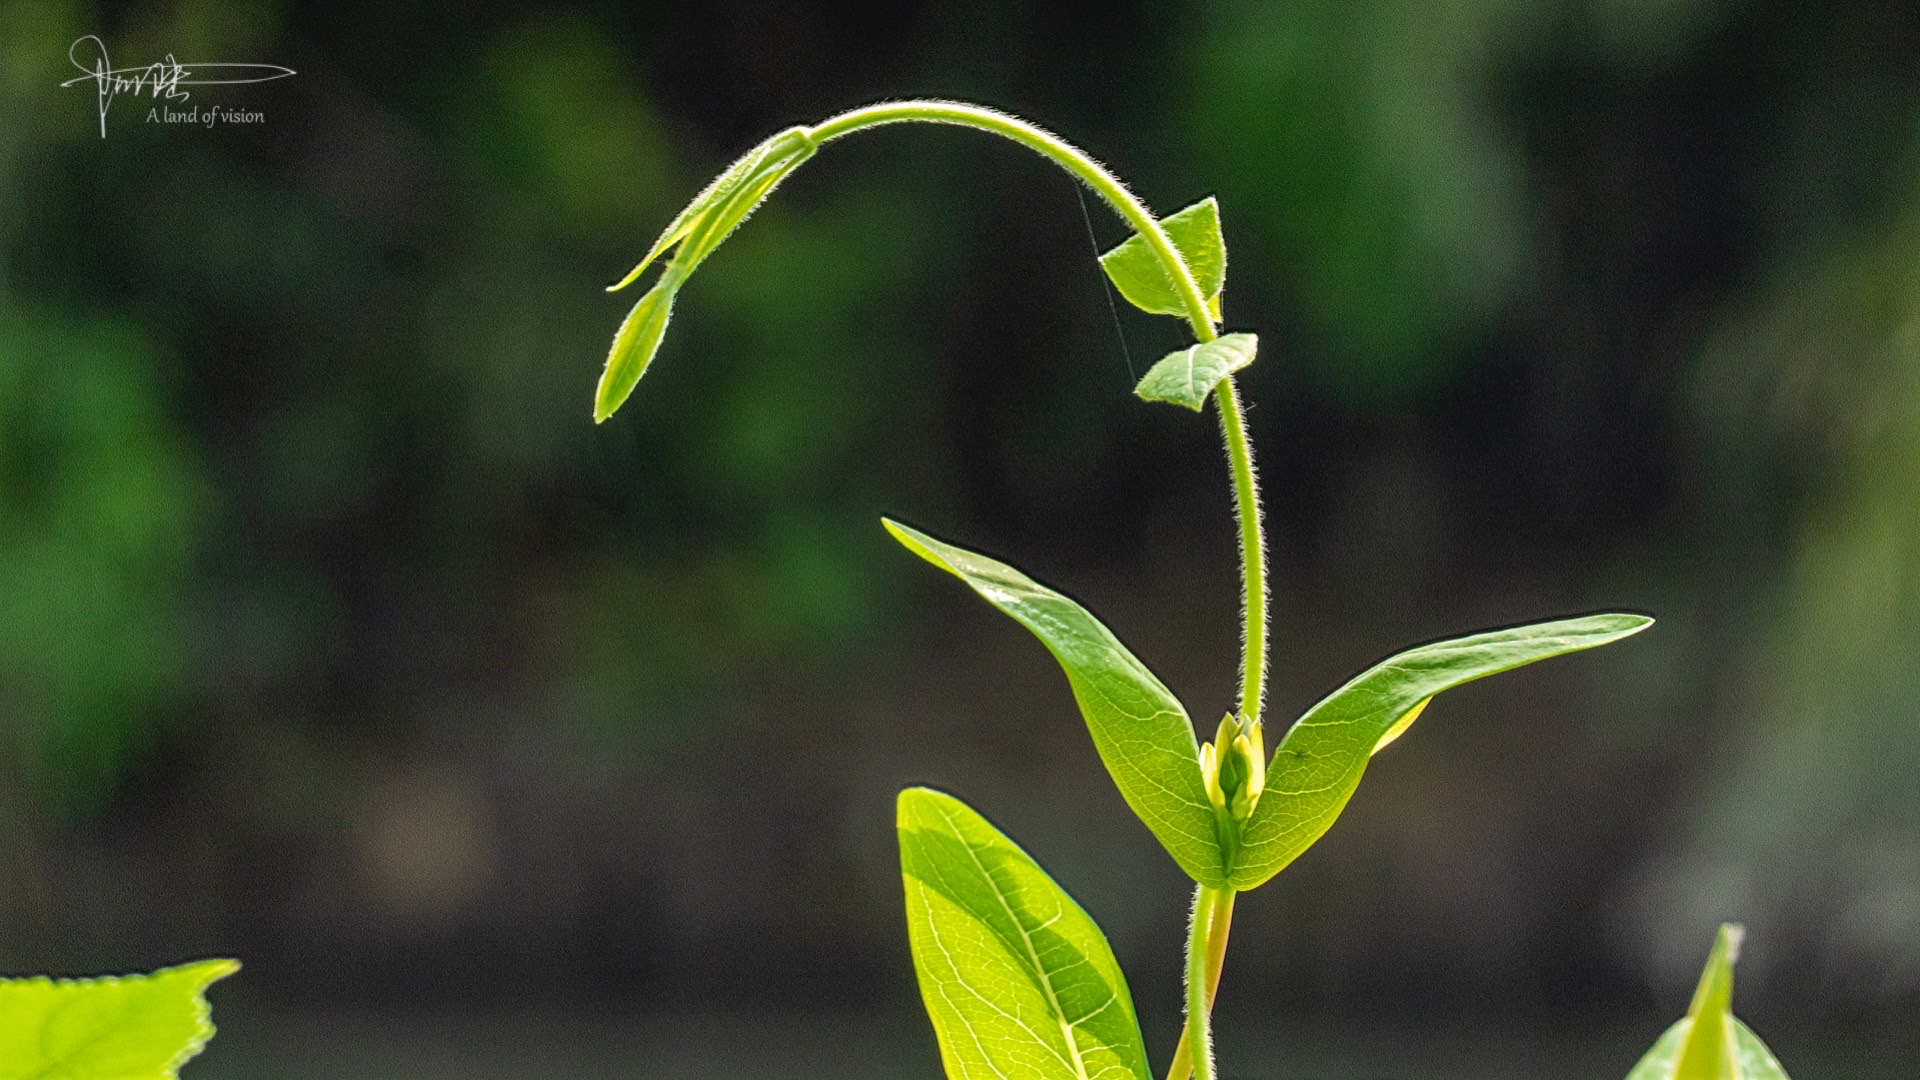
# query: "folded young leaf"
[[1319, 763], [784, 153], [780, 147], [1018, 980], [1140, 729], [1710, 1043], [1186, 377], [136, 1027], [634, 346], [1136, 271]]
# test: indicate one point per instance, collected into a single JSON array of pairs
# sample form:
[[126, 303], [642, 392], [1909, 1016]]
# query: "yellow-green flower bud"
[[1210, 774]]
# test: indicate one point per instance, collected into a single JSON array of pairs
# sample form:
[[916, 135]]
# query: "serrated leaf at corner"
[[1187, 376], [132, 1027]]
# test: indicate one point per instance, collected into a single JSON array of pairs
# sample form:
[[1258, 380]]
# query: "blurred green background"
[[335, 637]]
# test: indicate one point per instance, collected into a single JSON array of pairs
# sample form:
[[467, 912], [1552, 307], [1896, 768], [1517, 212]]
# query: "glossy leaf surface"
[[1017, 979], [1136, 271], [136, 1027], [1710, 1043], [1319, 762], [1140, 729], [1187, 376]]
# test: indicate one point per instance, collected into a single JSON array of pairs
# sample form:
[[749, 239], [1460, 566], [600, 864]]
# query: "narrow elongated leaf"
[[1140, 729], [700, 228], [1186, 377], [1018, 980], [779, 147], [785, 152], [1136, 271], [1710, 1043], [137, 1027], [634, 346], [1319, 763]]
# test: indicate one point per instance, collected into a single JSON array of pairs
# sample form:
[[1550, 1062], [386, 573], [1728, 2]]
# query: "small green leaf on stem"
[[136, 1027], [1140, 729], [634, 346], [1136, 271], [1710, 1043], [1187, 376], [1017, 978], [1319, 763]]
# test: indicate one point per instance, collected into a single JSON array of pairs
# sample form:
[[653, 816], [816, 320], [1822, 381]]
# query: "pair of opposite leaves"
[[1020, 982], [1142, 732]]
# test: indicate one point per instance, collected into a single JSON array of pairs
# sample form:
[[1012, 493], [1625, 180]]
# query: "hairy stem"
[[1136, 214], [1213, 908], [1221, 921]]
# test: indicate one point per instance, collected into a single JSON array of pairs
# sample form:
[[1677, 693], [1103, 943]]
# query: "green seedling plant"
[[1017, 979]]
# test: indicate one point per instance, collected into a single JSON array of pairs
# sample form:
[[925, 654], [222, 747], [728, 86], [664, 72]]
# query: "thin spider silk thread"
[[1106, 286]]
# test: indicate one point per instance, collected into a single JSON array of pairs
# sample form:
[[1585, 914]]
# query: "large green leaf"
[[1710, 1043], [1318, 764], [1136, 271], [1186, 377], [1017, 979], [1140, 729], [137, 1027]]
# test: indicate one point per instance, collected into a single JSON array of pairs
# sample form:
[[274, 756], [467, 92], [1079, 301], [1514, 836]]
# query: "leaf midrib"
[[1026, 939]]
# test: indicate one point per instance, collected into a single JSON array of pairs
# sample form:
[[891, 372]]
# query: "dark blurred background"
[[335, 637]]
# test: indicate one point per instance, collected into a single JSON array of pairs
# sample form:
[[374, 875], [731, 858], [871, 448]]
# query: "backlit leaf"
[[1136, 271], [784, 153], [753, 163], [1140, 729], [634, 346], [135, 1027], [1710, 1043], [1018, 980], [1319, 762], [1186, 377]]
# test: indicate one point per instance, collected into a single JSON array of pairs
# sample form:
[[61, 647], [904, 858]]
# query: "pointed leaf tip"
[[1320, 760], [1710, 1043], [1140, 729]]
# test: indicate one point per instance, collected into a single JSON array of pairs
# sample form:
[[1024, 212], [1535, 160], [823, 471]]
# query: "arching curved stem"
[[1213, 908], [1136, 214]]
